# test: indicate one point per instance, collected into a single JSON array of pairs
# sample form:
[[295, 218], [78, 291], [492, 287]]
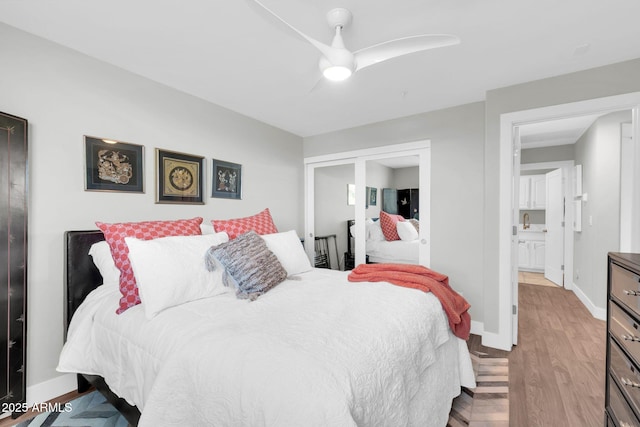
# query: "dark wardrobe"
[[403, 202], [13, 266]]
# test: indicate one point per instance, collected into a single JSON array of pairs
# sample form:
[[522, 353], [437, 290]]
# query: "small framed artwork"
[[373, 196], [179, 177], [113, 165], [227, 180]]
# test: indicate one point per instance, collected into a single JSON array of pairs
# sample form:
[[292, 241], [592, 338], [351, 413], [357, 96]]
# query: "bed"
[[314, 350], [380, 250]]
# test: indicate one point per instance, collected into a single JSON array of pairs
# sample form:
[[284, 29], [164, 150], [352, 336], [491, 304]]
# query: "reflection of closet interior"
[[405, 202]]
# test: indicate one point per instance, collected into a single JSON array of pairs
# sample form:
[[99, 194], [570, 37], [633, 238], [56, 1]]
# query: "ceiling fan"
[[338, 63]]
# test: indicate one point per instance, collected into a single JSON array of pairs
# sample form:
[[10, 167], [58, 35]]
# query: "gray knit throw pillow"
[[249, 265]]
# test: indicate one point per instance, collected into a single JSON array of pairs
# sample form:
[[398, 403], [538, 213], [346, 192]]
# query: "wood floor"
[[557, 370]]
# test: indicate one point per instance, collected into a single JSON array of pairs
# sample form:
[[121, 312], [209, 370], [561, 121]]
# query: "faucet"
[[525, 221]]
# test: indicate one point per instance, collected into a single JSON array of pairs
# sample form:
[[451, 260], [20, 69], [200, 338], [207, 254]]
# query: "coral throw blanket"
[[426, 280]]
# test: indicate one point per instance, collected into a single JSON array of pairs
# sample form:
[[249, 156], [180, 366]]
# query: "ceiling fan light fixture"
[[337, 73]]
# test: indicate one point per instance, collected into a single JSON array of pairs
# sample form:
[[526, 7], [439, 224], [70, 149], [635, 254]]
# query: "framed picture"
[[226, 180], [373, 196], [113, 165], [179, 177]]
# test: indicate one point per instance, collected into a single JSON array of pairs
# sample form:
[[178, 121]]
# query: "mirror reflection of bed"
[[403, 250], [397, 183]]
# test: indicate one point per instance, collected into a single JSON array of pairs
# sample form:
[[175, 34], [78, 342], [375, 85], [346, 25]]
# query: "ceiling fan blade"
[[392, 49], [323, 48]]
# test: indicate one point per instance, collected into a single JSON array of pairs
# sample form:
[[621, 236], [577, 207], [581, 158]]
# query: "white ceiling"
[[555, 132], [230, 52]]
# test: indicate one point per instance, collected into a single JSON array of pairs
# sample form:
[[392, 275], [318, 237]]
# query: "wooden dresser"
[[622, 396]]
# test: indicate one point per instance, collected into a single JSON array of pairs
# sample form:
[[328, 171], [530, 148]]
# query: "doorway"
[[507, 240]]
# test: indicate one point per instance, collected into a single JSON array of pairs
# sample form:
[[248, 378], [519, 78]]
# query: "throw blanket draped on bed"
[[426, 280]]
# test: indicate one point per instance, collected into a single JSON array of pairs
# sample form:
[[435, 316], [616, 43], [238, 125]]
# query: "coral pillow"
[[115, 234], [388, 223], [261, 223]]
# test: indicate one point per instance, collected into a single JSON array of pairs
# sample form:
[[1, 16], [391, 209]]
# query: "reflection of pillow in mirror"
[[415, 223], [388, 223], [375, 232], [406, 231]]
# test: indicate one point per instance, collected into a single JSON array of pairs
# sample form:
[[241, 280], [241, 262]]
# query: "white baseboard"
[[490, 339], [47, 390], [597, 312], [477, 328]]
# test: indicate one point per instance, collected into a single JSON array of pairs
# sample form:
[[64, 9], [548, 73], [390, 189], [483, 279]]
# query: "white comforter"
[[395, 251], [315, 352]]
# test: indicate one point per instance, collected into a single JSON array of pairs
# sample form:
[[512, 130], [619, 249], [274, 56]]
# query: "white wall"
[[406, 178], [598, 151], [65, 95]]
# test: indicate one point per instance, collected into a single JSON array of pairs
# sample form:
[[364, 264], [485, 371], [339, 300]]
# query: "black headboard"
[[80, 274]]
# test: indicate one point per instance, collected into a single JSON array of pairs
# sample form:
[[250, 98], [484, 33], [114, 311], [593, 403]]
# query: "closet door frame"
[[359, 158]]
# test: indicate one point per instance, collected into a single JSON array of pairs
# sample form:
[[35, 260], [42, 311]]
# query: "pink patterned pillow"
[[388, 224], [115, 233], [261, 223]]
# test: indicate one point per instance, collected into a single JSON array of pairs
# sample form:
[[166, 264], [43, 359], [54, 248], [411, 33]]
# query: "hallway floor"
[[557, 370], [532, 278]]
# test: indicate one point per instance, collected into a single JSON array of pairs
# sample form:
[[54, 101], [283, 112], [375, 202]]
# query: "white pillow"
[[289, 251], [206, 228], [375, 232], [103, 260], [171, 270], [406, 231]]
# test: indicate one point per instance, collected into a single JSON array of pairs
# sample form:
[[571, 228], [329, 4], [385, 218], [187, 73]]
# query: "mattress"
[[316, 350]]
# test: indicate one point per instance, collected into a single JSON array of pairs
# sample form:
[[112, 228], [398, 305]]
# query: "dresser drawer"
[[625, 330], [625, 286], [620, 410], [622, 369]]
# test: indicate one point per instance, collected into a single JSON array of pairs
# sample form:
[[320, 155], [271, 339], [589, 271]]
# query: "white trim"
[[502, 339], [50, 389], [386, 149], [477, 328], [627, 185], [597, 312]]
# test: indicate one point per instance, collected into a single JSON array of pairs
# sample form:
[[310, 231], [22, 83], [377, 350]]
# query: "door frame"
[[508, 121], [359, 158]]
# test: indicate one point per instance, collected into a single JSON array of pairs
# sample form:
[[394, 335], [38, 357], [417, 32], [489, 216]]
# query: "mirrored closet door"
[[345, 193]]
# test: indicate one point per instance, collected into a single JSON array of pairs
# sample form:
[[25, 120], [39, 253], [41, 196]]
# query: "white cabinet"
[[533, 192], [531, 251]]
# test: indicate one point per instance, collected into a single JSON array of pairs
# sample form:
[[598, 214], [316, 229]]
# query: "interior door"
[[515, 221], [554, 236]]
